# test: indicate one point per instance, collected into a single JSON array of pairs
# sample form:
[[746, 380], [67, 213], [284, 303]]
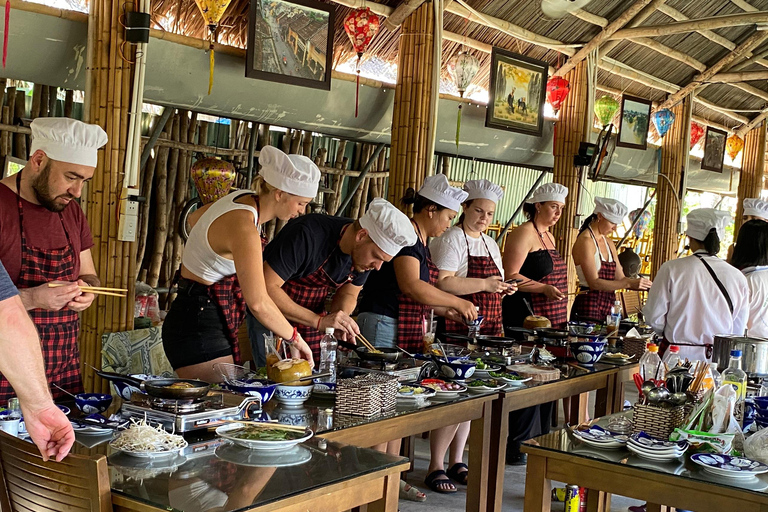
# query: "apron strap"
[[717, 282]]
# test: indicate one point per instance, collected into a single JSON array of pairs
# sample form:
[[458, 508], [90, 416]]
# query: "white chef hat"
[[548, 192], [702, 220], [483, 189], [613, 210], [389, 228], [295, 174], [67, 140], [437, 189], [756, 208]]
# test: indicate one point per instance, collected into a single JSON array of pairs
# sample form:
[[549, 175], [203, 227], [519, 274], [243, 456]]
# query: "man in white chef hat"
[[315, 254], [696, 297], [755, 209], [46, 239]]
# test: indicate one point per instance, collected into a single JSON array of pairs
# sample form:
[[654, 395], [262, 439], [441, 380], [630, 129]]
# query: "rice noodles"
[[141, 437]]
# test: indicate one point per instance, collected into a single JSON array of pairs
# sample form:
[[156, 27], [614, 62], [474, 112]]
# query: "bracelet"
[[319, 320], [293, 337]]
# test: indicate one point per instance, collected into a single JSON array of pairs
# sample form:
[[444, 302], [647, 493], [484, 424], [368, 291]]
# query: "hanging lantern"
[[212, 11], [213, 178], [557, 90], [462, 67], [697, 132], [733, 146], [360, 25], [605, 108], [663, 121]]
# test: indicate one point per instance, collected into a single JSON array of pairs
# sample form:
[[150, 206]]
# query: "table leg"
[[654, 507], [497, 456], [538, 488], [598, 501], [479, 457], [579, 413], [389, 500]]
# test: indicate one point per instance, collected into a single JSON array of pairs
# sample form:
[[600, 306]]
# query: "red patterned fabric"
[[595, 305], [555, 310], [481, 267], [58, 330], [411, 315]]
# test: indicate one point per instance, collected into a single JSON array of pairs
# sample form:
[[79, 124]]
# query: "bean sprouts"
[[142, 437]]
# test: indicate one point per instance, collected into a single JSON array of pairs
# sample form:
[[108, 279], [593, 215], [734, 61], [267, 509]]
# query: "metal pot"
[[754, 353]]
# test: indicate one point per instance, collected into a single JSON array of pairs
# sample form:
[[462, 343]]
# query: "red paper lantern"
[[360, 25], [557, 90], [697, 132]]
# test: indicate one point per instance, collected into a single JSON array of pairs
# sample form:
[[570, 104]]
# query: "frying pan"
[[160, 388], [387, 354]]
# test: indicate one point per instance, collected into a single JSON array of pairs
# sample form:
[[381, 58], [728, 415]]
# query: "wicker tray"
[[366, 395], [634, 346], [656, 421]]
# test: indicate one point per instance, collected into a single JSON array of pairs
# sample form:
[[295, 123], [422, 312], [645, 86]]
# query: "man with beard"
[[46, 239]]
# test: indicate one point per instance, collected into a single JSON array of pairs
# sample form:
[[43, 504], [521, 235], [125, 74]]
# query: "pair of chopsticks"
[[96, 290], [699, 373], [368, 344], [269, 424]]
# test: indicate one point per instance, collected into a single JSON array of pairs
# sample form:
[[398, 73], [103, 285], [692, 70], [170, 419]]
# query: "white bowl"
[[293, 395]]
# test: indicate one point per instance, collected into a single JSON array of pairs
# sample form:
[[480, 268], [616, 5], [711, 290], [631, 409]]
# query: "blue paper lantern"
[[663, 120]]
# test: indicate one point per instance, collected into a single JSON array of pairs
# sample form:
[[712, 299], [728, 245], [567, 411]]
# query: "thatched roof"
[[186, 19]]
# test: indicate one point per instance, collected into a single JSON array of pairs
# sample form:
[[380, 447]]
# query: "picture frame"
[[290, 41], [635, 121], [12, 165], [517, 93], [714, 150]]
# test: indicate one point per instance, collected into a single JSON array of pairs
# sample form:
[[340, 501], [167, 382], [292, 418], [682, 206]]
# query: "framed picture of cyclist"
[[517, 93]]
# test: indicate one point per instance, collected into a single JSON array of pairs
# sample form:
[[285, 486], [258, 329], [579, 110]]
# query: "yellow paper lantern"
[[212, 11], [733, 146]]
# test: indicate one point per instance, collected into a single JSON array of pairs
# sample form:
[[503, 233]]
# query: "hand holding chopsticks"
[[96, 290], [367, 344]]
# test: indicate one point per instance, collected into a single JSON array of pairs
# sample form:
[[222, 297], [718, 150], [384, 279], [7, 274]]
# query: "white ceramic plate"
[[426, 392], [728, 466], [153, 455], [484, 389], [653, 456], [602, 445], [483, 374], [293, 456], [442, 393], [85, 429], [226, 431], [658, 453]]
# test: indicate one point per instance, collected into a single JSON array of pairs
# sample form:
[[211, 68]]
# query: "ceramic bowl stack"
[[652, 448], [761, 411], [598, 437], [728, 466]]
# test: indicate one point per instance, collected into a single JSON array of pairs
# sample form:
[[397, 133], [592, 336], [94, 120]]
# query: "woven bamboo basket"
[[656, 421]]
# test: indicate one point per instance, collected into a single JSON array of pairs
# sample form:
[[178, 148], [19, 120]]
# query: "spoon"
[[64, 390], [405, 352]]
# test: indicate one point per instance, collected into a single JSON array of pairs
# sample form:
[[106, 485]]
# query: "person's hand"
[[300, 350], [452, 314], [495, 284], [49, 429], [553, 293], [342, 322], [511, 288], [57, 298], [83, 301], [466, 309], [639, 283]]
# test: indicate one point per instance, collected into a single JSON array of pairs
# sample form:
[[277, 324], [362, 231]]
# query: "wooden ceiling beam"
[[735, 77], [401, 12], [590, 18], [681, 27], [670, 52], [743, 130], [744, 5], [754, 91]]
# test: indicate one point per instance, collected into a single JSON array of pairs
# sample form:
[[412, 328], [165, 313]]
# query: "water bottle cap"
[[653, 347], [674, 349], [735, 353], [330, 330]]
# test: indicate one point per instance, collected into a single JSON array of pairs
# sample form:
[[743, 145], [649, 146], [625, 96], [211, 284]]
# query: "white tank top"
[[199, 258], [598, 262]]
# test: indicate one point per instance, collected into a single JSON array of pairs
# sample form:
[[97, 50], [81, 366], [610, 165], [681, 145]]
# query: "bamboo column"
[[413, 111], [669, 187], [752, 169], [110, 82], [570, 131]]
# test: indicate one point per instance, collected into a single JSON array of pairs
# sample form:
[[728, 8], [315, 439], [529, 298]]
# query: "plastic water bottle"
[[650, 362], [328, 346], [672, 357], [614, 319], [735, 376]]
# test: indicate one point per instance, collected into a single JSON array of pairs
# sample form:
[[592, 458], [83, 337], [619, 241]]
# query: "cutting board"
[[535, 372]]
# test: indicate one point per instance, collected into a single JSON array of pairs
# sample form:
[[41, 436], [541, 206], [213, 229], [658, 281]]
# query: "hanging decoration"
[[5, 32], [663, 120], [697, 132], [733, 146], [213, 178], [557, 90], [605, 108], [212, 11], [462, 67], [360, 25]]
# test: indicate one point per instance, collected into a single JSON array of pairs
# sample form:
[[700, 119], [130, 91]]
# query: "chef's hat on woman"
[[548, 192], [756, 208], [437, 189], [703, 220], [611, 209], [295, 174], [483, 189]]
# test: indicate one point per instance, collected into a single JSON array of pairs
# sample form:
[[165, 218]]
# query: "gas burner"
[[405, 370], [178, 406]]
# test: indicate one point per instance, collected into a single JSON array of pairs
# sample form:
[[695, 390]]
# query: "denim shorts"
[[381, 330]]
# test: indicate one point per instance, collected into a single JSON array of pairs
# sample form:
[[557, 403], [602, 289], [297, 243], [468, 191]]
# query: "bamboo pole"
[[37, 93], [681, 27], [752, 170], [4, 135], [69, 103], [161, 217]]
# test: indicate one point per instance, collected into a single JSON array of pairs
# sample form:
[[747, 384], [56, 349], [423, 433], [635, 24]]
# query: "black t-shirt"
[[381, 290], [304, 244]]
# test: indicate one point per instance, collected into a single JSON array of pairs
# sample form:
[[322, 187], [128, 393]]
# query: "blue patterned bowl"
[[265, 389], [91, 403], [587, 353], [293, 395], [457, 369]]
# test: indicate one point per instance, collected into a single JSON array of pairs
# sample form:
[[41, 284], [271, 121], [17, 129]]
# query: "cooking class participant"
[[751, 257], [397, 298], [755, 209], [531, 255], [46, 240], [595, 257], [469, 265], [316, 254], [694, 298], [222, 269], [22, 364]]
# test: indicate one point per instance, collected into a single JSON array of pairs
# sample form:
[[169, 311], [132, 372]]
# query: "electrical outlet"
[[127, 228]]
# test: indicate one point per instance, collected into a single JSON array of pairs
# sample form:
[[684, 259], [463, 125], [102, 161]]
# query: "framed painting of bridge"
[[290, 41]]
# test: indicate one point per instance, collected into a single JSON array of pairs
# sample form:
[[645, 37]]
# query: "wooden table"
[[692, 489], [607, 380]]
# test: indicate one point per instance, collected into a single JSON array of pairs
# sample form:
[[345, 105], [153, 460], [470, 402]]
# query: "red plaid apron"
[[555, 310], [58, 330], [596, 305], [411, 315], [481, 267]]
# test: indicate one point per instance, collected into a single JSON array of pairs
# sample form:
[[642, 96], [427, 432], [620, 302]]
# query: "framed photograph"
[[714, 150], [290, 41], [517, 93], [635, 122], [12, 165]]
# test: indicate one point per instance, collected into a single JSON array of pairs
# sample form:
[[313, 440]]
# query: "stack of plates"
[[598, 437], [728, 466], [652, 448]]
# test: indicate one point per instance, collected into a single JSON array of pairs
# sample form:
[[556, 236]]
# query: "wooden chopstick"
[[262, 424], [89, 288], [368, 344]]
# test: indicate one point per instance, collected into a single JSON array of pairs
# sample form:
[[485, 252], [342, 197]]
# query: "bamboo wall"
[[752, 170], [411, 113], [674, 156]]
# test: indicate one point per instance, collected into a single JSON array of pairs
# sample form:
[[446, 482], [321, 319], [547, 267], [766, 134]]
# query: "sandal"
[[457, 475], [412, 493], [438, 484]]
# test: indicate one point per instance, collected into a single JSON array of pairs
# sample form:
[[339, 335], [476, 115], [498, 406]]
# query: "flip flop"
[[457, 475], [412, 494], [433, 481]]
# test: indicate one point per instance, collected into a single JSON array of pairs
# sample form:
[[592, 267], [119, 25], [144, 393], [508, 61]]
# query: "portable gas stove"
[[406, 370], [188, 415]]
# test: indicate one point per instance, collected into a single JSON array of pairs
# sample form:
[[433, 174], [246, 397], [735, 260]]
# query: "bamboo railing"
[[752, 170]]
